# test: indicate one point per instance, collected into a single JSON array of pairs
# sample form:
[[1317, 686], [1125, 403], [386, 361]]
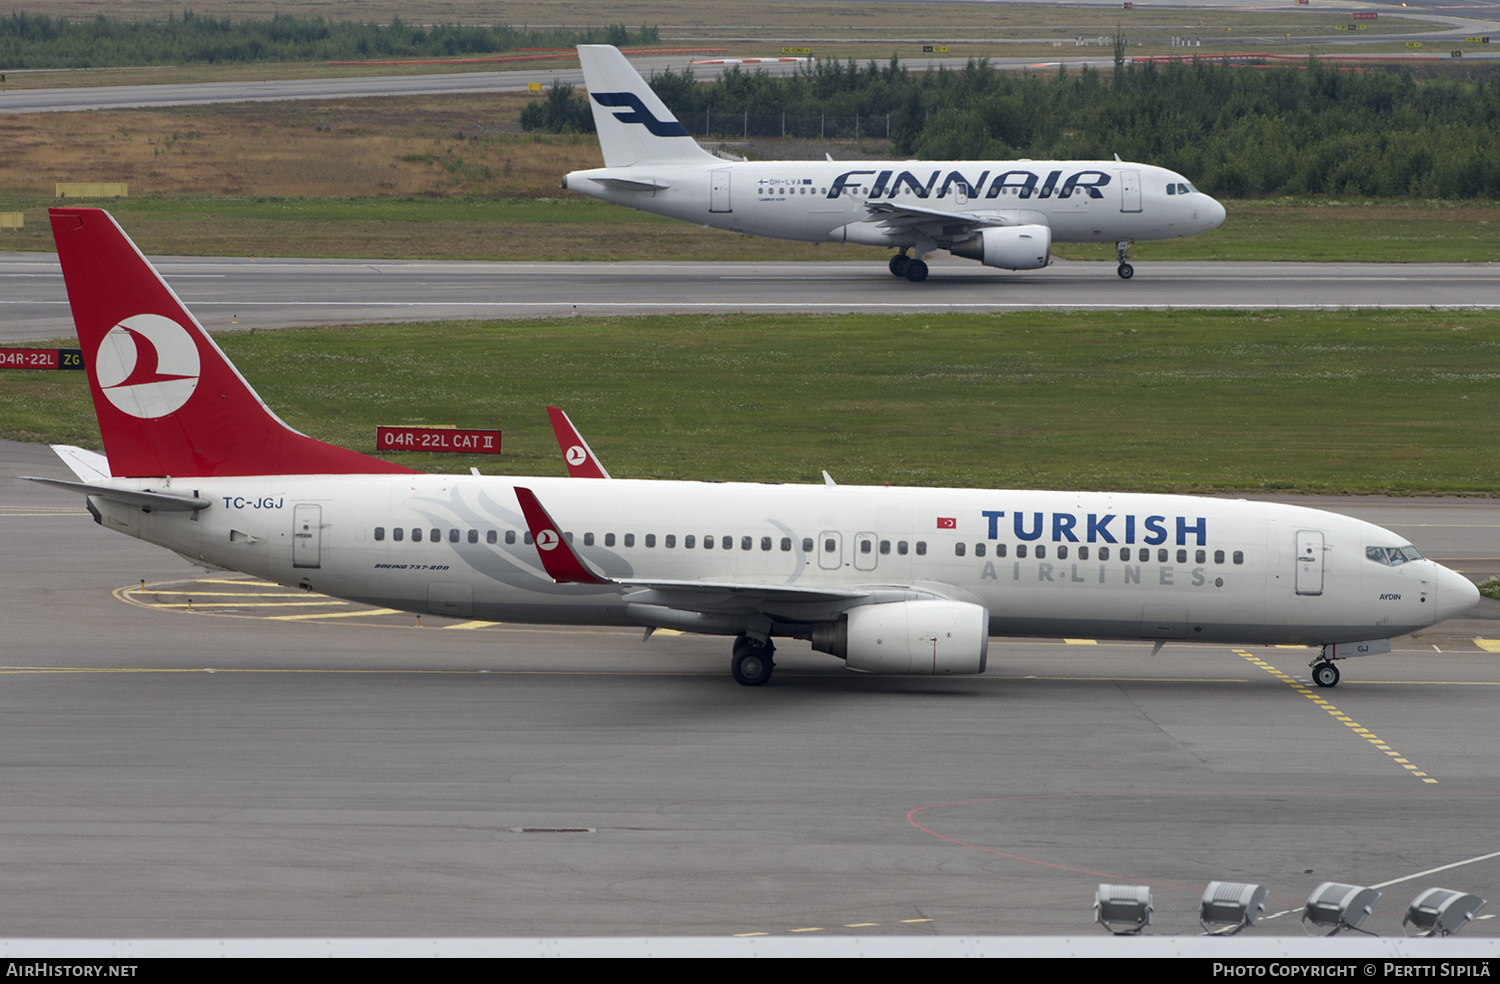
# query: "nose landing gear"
[[1125, 270]]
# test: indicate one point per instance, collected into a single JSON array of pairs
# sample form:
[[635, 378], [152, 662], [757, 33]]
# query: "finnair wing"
[[944, 225], [580, 458]]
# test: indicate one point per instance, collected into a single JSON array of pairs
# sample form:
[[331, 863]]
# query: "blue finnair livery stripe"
[[639, 113]]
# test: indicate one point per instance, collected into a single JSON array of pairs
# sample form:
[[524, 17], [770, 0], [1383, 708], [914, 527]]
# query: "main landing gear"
[[751, 664], [1324, 673], [1126, 271], [910, 268]]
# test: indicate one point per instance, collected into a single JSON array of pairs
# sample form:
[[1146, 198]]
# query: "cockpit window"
[[1392, 556]]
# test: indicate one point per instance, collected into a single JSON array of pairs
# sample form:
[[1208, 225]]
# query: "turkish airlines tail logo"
[[147, 366], [638, 113]]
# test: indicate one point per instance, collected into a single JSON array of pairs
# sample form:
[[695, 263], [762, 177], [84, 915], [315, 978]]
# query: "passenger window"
[[1083, 553], [527, 538], [473, 536], [999, 550], [1062, 552], [437, 536], [670, 540], [629, 539], [921, 548], [1161, 555], [807, 544], [453, 536], [865, 546], [979, 550], [1201, 557], [765, 543], [510, 536], [1181, 556], [1041, 551], [901, 547], [380, 532], [1239, 556], [397, 534], [1124, 553], [1103, 553], [416, 536], [786, 544], [609, 539], [830, 545], [1218, 556], [588, 539], [688, 541], [727, 542], [1021, 550], [885, 546], [708, 543], [958, 550], [747, 543], [650, 539]]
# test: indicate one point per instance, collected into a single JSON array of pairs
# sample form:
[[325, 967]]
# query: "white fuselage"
[[1042, 563], [818, 201]]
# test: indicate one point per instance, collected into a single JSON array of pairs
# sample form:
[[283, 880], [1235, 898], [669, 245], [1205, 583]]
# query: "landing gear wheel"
[[899, 264], [751, 664], [1126, 271], [916, 271], [1325, 674]]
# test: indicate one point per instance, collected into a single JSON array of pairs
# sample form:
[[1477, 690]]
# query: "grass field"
[[1188, 402]]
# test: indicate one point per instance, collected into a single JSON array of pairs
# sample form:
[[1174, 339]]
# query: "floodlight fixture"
[[1440, 912], [1338, 906], [1229, 907], [1128, 906]]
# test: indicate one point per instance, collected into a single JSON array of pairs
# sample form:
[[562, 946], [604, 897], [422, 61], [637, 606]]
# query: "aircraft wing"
[[565, 566], [939, 224]]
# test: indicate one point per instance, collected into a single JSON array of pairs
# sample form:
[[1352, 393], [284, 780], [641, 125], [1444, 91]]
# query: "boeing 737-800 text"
[[1004, 214], [890, 580]]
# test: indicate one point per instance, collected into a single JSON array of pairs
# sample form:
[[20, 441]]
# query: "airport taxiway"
[[230, 771], [230, 293]]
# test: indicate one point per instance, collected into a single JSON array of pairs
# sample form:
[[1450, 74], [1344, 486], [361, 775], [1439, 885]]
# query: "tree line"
[[1236, 131], [40, 41]]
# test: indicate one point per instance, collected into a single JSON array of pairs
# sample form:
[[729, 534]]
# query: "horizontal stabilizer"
[[164, 501]]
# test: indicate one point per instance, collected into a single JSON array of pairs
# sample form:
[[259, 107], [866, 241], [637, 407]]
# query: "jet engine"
[[1022, 247], [930, 638]]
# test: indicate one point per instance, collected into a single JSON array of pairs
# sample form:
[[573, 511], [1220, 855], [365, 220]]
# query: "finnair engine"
[[930, 638], [1022, 247]]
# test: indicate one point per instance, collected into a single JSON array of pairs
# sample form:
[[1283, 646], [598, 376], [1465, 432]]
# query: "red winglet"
[[580, 458], [561, 563]]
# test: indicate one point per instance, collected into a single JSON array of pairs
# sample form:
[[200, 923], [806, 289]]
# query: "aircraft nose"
[[1455, 594], [1212, 213]]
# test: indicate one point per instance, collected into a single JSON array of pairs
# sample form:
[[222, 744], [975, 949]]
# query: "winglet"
[[580, 458], [558, 559]]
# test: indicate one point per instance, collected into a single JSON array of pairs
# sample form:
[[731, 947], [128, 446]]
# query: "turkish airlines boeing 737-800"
[[1004, 214], [891, 580]]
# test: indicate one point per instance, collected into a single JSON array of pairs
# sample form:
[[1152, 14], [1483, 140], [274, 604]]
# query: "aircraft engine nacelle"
[[1022, 247], [930, 638]]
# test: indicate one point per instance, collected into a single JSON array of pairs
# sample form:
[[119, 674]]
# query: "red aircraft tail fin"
[[168, 400]]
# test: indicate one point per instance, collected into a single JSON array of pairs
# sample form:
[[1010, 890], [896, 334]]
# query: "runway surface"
[[241, 769], [227, 294]]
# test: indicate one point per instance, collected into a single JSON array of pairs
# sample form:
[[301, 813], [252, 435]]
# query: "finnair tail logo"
[[147, 365], [638, 113]]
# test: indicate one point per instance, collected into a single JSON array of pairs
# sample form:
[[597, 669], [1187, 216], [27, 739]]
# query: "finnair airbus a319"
[[1005, 214], [889, 580]]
